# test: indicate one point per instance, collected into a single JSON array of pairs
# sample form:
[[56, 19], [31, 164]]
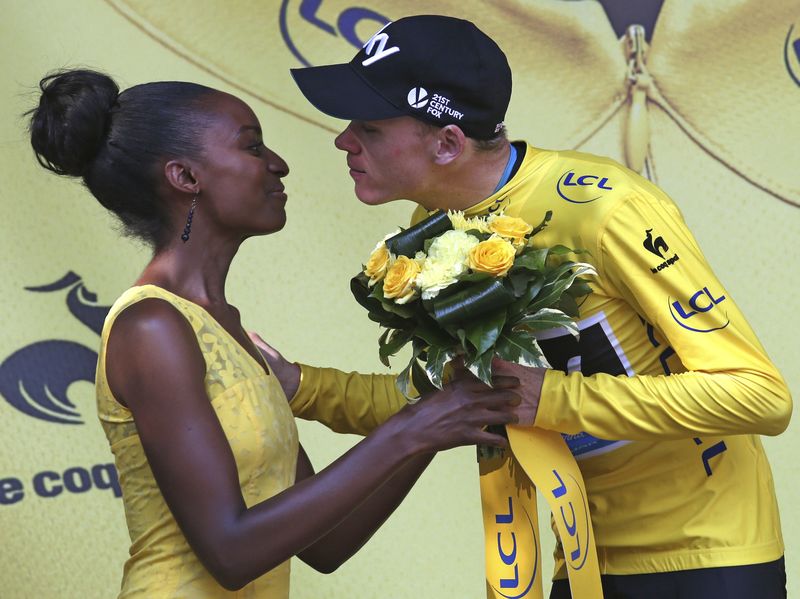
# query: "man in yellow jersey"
[[663, 398]]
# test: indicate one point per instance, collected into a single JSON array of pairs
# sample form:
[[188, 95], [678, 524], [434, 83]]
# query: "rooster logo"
[[656, 245], [35, 379]]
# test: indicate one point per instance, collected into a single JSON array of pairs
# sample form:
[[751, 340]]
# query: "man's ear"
[[179, 176], [450, 144]]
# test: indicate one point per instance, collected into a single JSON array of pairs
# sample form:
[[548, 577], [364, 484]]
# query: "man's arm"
[[730, 386], [344, 402]]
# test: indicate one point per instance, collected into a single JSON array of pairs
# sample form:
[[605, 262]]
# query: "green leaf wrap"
[[412, 240], [472, 302], [402, 310], [359, 287]]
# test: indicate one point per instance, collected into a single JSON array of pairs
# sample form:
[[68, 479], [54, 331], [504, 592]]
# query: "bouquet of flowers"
[[477, 287]]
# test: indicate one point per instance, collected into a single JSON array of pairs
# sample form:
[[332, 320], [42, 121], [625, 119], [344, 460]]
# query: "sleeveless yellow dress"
[[261, 430]]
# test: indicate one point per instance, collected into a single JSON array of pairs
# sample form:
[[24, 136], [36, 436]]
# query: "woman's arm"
[[155, 367], [341, 543]]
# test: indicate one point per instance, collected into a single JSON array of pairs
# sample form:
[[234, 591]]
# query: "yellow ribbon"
[[538, 459]]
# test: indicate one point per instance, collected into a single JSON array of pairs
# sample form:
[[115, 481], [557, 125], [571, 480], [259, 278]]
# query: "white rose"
[[447, 259], [434, 277], [452, 247]]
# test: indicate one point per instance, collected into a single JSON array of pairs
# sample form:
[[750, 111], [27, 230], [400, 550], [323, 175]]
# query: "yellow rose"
[[378, 264], [494, 256], [399, 280], [510, 227]]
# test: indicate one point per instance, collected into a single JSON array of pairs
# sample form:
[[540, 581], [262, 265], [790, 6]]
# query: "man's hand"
[[530, 387], [288, 373]]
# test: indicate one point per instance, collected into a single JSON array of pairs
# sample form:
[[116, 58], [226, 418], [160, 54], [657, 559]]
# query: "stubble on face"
[[389, 159]]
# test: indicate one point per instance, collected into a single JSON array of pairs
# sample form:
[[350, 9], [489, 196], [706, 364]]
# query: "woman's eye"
[[256, 148]]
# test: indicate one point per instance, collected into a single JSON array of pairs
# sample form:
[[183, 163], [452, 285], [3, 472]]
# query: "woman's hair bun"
[[70, 124]]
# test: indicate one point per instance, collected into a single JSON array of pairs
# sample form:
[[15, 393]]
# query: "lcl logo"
[[701, 302], [513, 550], [571, 187], [343, 25], [576, 523], [791, 54]]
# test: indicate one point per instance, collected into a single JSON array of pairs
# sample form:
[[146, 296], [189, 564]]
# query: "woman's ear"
[[450, 144], [180, 177]]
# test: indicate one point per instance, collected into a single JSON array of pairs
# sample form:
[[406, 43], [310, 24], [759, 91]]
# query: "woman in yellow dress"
[[218, 493]]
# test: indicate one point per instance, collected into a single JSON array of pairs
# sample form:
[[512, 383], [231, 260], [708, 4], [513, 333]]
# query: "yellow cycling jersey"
[[662, 398], [346, 402], [665, 393]]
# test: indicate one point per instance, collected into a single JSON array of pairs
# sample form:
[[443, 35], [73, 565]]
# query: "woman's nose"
[[278, 165]]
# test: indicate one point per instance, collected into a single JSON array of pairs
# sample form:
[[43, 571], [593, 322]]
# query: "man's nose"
[[346, 141]]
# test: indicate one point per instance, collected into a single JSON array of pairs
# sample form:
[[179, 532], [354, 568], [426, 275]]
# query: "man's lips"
[[357, 174], [353, 169]]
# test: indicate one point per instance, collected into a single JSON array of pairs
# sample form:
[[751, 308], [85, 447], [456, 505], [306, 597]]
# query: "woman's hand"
[[287, 373], [459, 413]]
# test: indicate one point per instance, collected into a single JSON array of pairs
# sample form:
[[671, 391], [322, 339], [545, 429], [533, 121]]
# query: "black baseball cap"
[[438, 69]]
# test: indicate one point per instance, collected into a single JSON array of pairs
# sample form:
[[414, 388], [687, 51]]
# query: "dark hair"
[[498, 141], [83, 127]]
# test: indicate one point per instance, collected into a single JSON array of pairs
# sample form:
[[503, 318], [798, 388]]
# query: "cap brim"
[[339, 92]]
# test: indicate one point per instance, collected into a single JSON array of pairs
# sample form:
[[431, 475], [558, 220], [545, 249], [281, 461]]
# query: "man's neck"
[[471, 180]]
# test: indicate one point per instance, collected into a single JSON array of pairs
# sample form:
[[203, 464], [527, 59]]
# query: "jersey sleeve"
[[346, 402], [729, 385]]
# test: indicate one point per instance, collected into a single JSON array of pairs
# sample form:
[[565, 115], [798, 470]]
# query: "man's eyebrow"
[[244, 128]]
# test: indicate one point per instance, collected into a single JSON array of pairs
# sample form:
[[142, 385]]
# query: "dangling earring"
[[188, 228]]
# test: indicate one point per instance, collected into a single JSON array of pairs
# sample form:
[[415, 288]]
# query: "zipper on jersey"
[[637, 127]]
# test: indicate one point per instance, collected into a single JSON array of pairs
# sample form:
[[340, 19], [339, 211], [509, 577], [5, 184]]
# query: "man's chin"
[[370, 198]]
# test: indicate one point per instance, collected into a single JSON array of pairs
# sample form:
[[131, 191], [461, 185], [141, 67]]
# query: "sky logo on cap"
[[418, 97], [376, 48]]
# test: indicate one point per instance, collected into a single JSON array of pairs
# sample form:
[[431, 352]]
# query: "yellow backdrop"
[[724, 119]]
